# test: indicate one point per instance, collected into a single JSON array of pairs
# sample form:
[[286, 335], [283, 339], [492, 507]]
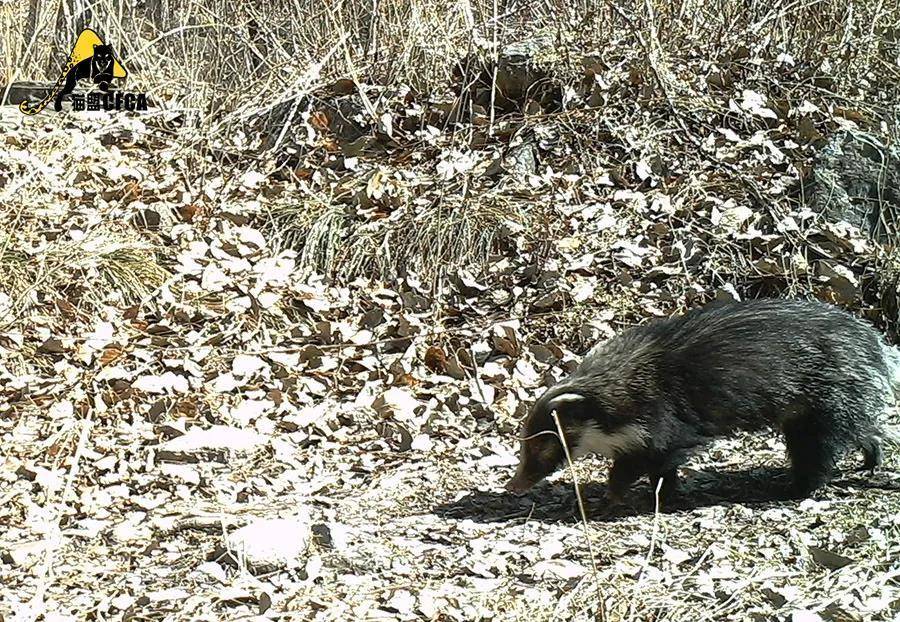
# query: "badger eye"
[[549, 450], [543, 448]]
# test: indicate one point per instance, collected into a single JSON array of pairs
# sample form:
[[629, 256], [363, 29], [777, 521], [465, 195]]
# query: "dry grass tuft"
[[108, 264], [425, 240]]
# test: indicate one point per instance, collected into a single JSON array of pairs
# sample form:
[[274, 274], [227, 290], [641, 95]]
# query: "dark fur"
[[98, 68], [819, 374]]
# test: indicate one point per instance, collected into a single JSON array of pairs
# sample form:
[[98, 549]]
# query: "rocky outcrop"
[[856, 178]]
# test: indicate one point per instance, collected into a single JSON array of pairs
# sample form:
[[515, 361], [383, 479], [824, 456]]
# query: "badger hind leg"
[[812, 455], [872, 453], [813, 448]]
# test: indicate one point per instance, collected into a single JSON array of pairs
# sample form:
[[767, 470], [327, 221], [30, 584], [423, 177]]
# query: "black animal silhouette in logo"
[[99, 67]]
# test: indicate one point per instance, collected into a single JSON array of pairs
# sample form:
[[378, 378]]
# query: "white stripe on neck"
[[595, 441]]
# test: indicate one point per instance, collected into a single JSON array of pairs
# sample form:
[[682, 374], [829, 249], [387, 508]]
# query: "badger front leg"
[[624, 472], [670, 482], [628, 468]]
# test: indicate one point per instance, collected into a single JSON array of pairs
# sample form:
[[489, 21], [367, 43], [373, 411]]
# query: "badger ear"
[[563, 398]]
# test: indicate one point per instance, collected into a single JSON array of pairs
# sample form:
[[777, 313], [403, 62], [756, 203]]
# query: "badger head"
[[587, 425]]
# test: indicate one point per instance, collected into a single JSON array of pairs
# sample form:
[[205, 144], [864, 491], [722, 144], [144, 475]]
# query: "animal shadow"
[[761, 487]]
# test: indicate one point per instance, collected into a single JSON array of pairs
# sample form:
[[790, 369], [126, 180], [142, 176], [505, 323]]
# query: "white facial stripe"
[[593, 440], [565, 398]]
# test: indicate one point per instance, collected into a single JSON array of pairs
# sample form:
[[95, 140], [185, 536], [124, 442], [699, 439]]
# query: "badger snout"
[[519, 484], [527, 475]]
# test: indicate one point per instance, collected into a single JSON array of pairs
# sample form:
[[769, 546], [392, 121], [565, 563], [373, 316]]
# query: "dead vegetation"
[[324, 277]]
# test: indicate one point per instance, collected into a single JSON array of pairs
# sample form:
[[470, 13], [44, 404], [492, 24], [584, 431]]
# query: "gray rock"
[[215, 444], [19, 92], [522, 160], [856, 178], [344, 114], [271, 543], [517, 74]]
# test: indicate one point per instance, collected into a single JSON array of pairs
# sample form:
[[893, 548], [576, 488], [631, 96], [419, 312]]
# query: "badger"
[[649, 396]]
